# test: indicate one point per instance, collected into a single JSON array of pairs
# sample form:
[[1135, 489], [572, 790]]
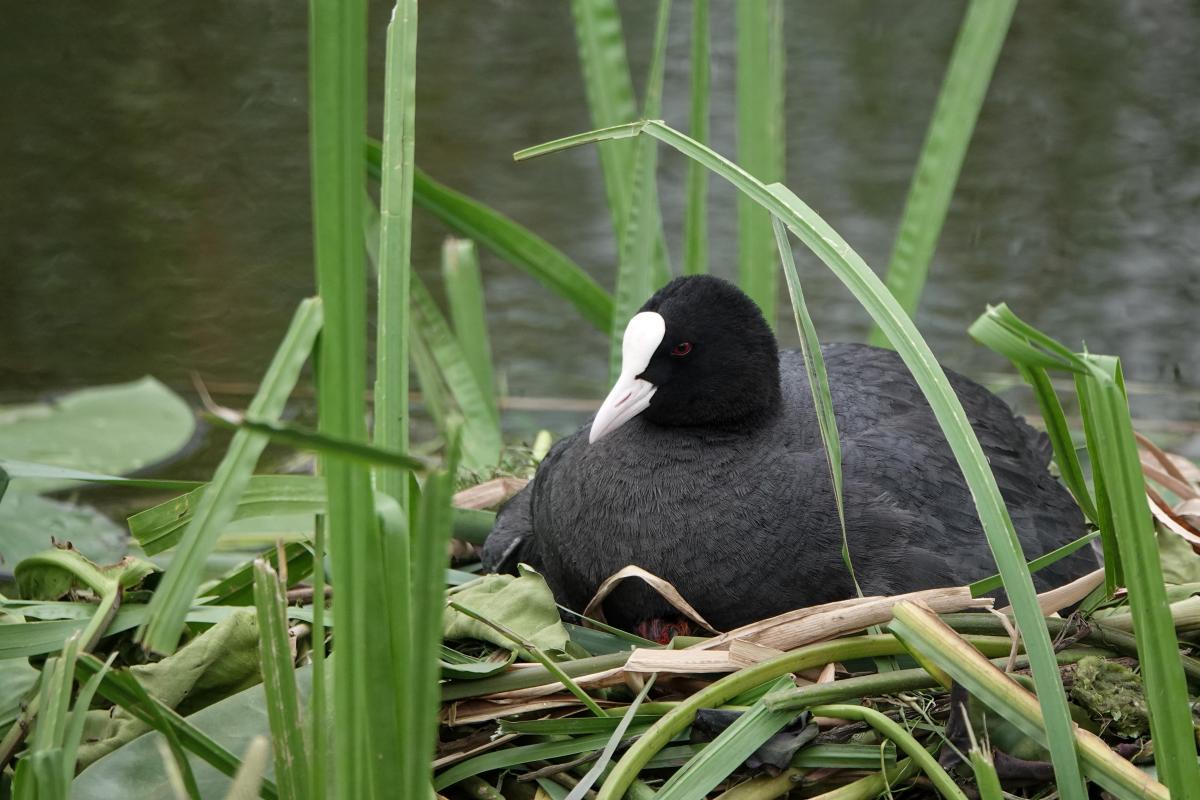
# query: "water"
[[156, 213]]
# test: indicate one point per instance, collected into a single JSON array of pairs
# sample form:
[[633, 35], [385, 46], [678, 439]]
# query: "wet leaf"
[[523, 604]]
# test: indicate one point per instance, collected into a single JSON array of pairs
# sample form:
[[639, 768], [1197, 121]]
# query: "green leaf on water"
[[110, 429], [28, 523]]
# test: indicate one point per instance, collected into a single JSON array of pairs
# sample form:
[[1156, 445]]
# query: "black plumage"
[[721, 485]]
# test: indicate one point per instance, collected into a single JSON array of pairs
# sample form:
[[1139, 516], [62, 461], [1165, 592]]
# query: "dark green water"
[[155, 213]]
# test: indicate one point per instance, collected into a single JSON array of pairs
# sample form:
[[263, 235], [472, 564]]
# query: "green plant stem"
[[760, 141], [872, 786], [902, 680], [927, 763], [1095, 633], [723, 690]]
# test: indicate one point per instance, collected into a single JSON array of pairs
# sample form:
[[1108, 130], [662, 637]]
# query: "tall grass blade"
[[279, 682], [482, 440], [635, 281], [364, 762], [464, 291], [963, 89], [174, 596], [760, 141], [609, 91], [695, 225], [395, 244], [850, 268], [435, 397], [818, 384], [428, 557], [1117, 460]]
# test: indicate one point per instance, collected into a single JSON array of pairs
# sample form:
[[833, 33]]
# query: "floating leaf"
[[28, 523], [109, 429]]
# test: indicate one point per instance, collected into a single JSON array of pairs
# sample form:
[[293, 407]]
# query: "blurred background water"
[[154, 170]]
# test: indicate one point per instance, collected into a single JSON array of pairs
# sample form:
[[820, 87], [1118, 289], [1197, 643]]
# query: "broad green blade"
[[635, 280], [481, 435], [17, 470], [395, 244], [695, 226], [850, 268], [279, 682], [512, 242], [760, 141], [1117, 460], [609, 92], [326, 445], [217, 507], [963, 88], [464, 292]]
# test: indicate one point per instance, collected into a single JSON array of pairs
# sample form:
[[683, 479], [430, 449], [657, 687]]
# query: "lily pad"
[[135, 771], [220, 662], [28, 523], [16, 677], [108, 429]]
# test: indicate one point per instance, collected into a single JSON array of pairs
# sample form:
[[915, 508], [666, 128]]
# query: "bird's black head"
[[699, 353]]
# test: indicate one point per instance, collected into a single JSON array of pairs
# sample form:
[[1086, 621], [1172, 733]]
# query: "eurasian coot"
[[705, 466]]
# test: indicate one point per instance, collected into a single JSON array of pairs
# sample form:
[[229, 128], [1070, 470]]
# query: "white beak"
[[631, 395]]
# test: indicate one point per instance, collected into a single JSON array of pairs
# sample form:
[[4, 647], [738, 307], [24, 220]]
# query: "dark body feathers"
[[721, 484], [744, 523]]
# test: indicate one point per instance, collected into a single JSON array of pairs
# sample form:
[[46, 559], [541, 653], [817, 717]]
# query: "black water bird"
[[705, 466]]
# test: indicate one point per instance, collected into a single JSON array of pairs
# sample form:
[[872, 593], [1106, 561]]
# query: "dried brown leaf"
[[664, 588]]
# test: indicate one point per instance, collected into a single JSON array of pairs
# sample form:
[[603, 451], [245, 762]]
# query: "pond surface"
[[156, 213]]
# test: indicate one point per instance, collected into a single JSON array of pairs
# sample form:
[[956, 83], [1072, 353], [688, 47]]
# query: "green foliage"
[[522, 604], [641, 229], [109, 429], [29, 522], [217, 505], [760, 141], [1127, 528]]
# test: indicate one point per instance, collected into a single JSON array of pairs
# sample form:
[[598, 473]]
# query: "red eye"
[[682, 349]]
